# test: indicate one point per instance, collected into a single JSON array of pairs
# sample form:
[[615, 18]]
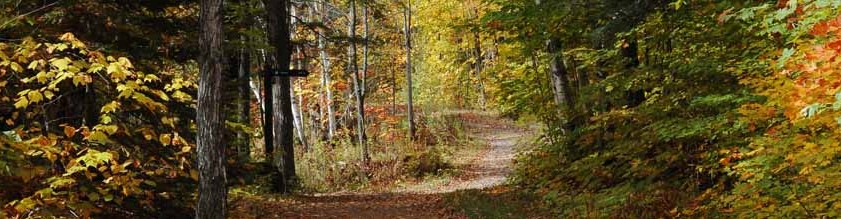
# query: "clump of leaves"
[[89, 133]]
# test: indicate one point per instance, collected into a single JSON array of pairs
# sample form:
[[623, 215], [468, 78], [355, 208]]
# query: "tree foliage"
[[122, 147]]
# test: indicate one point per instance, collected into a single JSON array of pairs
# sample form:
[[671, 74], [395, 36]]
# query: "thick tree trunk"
[[560, 79], [211, 150], [407, 28], [279, 38]]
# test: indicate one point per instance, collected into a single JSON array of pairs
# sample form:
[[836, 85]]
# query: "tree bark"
[[326, 83], [279, 38], [297, 111], [357, 86], [477, 52], [560, 80], [244, 78], [211, 150], [407, 28], [363, 82], [366, 45]]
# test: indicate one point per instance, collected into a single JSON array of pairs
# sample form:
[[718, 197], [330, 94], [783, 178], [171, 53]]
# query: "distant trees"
[[123, 99]]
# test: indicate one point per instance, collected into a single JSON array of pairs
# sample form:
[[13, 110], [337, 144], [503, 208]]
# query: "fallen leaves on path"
[[488, 170]]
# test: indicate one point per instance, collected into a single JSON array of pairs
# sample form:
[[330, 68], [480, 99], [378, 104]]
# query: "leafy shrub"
[[109, 137], [425, 162]]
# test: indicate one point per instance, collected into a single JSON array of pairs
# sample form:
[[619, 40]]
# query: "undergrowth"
[[394, 158]]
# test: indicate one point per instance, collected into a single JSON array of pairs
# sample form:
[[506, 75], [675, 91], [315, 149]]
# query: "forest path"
[[489, 168]]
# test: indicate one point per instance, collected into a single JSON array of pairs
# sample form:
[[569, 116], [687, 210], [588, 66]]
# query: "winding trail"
[[490, 168]]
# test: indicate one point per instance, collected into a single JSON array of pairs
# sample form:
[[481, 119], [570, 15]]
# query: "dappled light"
[[420, 109]]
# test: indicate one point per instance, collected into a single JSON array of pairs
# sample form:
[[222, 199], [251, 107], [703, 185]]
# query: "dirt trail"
[[489, 169], [492, 166]]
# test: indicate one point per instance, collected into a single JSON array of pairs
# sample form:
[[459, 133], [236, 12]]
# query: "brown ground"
[[489, 169]]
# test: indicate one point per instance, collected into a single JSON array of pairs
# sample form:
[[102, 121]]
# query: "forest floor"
[[477, 191]]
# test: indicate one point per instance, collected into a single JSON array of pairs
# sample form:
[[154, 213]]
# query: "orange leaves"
[[69, 131], [815, 69], [824, 28]]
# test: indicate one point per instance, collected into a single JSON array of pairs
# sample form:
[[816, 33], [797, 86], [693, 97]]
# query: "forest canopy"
[[645, 108]]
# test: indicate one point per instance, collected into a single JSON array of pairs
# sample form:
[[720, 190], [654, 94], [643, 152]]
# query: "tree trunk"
[[279, 38], [211, 150], [357, 86], [477, 52], [297, 112], [297, 119], [560, 80], [326, 83], [244, 78], [366, 46], [407, 28]]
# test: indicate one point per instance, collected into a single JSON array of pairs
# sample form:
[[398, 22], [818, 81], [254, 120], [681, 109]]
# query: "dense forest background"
[[647, 108]]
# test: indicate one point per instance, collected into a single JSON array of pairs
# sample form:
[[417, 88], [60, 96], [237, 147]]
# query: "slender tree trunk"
[[278, 26], [255, 89], [477, 52], [297, 112], [211, 150], [363, 82], [245, 102], [298, 119], [326, 83], [354, 68], [365, 49], [407, 28]]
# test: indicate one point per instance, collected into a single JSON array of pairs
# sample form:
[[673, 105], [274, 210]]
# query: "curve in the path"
[[488, 170]]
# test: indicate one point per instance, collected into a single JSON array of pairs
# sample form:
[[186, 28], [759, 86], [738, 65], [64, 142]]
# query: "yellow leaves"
[[151, 78], [108, 129], [21, 103], [44, 72], [35, 97], [49, 94], [60, 64], [24, 205], [34, 64], [125, 62], [15, 67], [168, 121], [97, 136], [81, 80], [67, 37], [119, 69], [110, 107], [194, 174], [181, 96], [165, 139]]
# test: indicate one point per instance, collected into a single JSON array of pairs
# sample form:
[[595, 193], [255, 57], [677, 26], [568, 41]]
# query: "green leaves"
[[678, 3], [786, 55]]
